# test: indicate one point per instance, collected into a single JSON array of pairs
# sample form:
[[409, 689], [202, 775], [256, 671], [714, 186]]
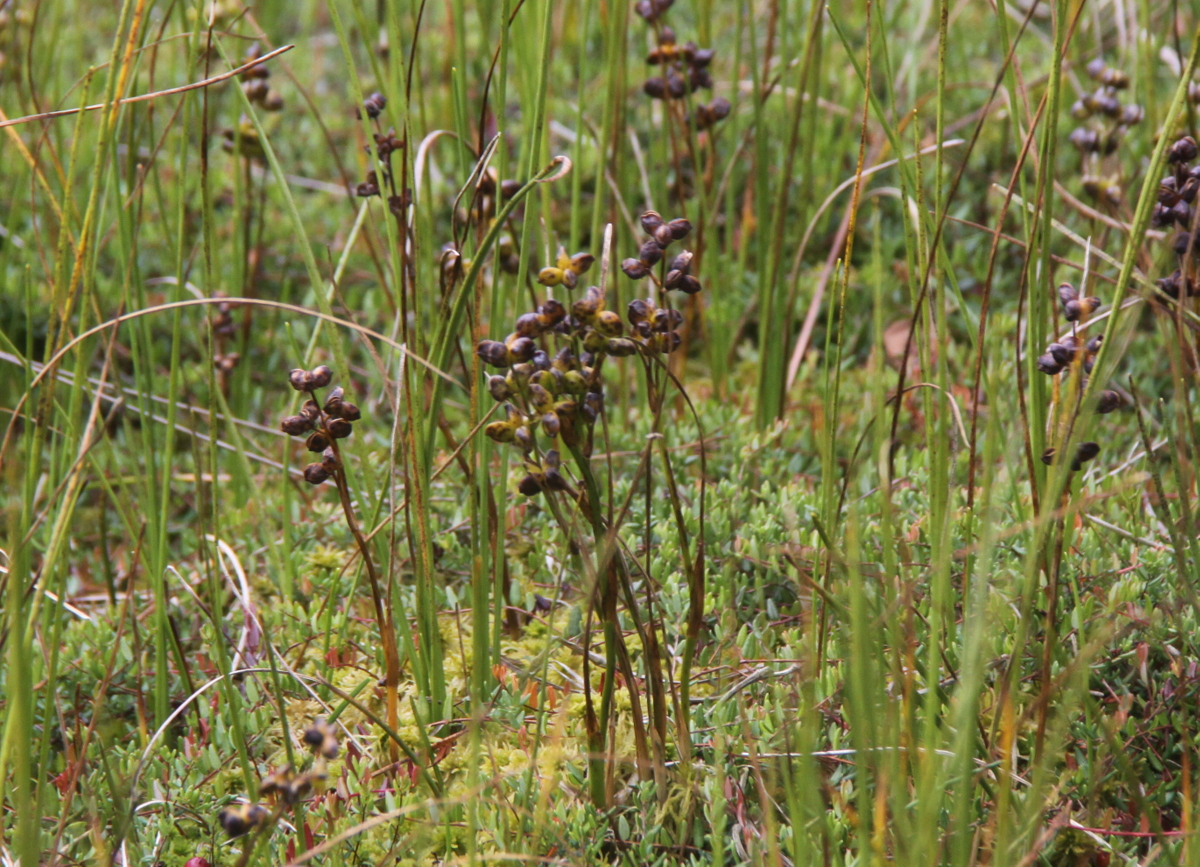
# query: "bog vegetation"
[[599, 432]]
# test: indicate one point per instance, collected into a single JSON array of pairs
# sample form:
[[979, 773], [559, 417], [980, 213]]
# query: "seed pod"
[[310, 410], [1113, 195], [317, 442], [1182, 151], [375, 104], [550, 276], [667, 320], [621, 347], [651, 220], [680, 228], [1067, 292], [1093, 345], [1114, 78], [1168, 191], [339, 428], [273, 101], [493, 352], [296, 425], [1181, 212], [521, 372], [588, 306], [1081, 110], [241, 819], [539, 396], [1048, 455], [639, 311], [499, 431], [333, 403], [329, 461], [574, 383], [1160, 215], [1072, 310], [663, 236], [655, 88], [554, 481], [581, 263], [634, 269], [677, 87], [668, 341], [1048, 365], [688, 284], [321, 376], [1181, 243], [314, 474], [719, 108], [1108, 401], [650, 252], [529, 486], [1188, 192], [1085, 453], [553, 311], [551, 424], [524, 439], [300, 379], [498, 388], [1107, 104], [1095, 68], [349, 411], [608, 323], [1086, 140], [1063, 353], [1131, 115], [594, 341], [529, 325]]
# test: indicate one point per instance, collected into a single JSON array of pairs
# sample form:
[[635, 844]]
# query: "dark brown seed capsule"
[[1085, 453], [1093, 345], [1067, 292], [310, 410], [677, 87], [529, 325], [375, 104], [663, 236], [349, 411], [521, 349], [1190, 186], [333, 403], [651, 220], [1048, 365], [1182, 213], [1181, 243], [702, 57], [639, 311], [656, 88], [296, 425], [314, 474], [1095, 68], [581, 263], [1160, 216], [1072, 310], [529, 486], [680, 228], [634, 269], [1107, 104], [1182, 151], [650, 252], [553, 310], [321, 376], [1086, 140], [1048, 455], [1081, 109], [317, 442], [329, 461], [620, 347], [339, 428], [688, 284], [1062, 353], [493, 352], [1131, 115], [667, 320], [300, 379], [551, 424], [498, 389], [1108, 401]]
